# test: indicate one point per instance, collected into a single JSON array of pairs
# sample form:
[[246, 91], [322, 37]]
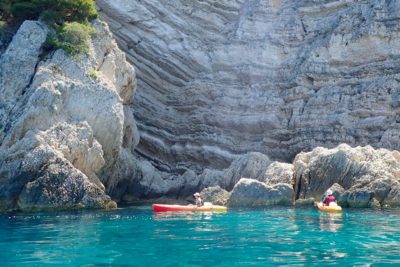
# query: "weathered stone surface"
[[191, 183], [305, 202], [279, 172], [222, 78], [62, 129], [21, 57], [210, 178], [215, 195], [252, 193], [358, 176], [36, 175], [252, 165]]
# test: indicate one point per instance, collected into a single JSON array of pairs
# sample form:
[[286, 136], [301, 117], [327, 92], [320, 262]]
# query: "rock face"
[[359, 177], [221, 78], [252, 193], [215, 195], [64, 122]]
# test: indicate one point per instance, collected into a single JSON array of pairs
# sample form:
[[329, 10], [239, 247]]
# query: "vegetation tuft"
[[69, 19]]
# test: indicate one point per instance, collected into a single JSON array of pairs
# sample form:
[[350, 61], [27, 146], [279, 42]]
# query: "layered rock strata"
[[221, 78], [64, 122]]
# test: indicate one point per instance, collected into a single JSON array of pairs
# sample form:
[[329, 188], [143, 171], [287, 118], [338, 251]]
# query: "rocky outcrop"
[[220, 79], [279, 172], [64, 122], [215, 195], [252, 193], [252, 165], [148, 182], [360, 177]]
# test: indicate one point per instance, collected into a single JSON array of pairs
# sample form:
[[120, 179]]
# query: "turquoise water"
[[137, 237]]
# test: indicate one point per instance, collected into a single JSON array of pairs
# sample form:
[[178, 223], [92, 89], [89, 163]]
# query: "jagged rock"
[[18, 64], [252, 165], [252, 193], [360, 176], [36, 175], [123, 175], [220, 79], [279, 172], [191, 184], [52, 106], [209, 178], [78, 146], [337, 190], [374, 203], [215, 195], [149, 183], [393, 198]]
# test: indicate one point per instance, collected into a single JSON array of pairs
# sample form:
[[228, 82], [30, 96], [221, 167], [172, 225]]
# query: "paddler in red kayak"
[[199, 201]]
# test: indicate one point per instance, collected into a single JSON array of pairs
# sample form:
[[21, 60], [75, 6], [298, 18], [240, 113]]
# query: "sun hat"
[[196, 194], [329, 192]]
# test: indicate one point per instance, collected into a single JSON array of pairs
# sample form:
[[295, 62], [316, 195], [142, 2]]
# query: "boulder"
[[215, 195], [393, 197], [253, 193], [209, 178], [252, 165], [279, 172], [359, 176], [190, 185], [35, 174]]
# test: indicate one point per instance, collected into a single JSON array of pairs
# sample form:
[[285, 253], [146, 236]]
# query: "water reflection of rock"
[[330, 221]]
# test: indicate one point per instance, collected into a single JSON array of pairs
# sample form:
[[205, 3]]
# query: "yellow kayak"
[[333, 207]]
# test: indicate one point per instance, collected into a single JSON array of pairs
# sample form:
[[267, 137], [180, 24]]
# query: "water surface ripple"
[[137, 237]]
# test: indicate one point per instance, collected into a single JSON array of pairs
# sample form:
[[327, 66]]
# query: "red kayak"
[[165, 207]]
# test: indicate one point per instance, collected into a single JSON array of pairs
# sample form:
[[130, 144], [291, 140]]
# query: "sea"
[[135, 236]]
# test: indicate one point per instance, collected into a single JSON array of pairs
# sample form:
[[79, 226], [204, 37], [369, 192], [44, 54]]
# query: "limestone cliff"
[[64, 122], [221, 78]]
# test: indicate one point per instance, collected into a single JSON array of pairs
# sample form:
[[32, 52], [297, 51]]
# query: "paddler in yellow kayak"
[[329, 198]]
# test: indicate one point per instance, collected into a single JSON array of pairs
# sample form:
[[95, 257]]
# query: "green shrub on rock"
[[73, 37], [23, 10], [69, 18]]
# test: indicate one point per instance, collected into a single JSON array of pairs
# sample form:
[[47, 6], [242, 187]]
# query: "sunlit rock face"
[[220, 78], [66, 127]]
